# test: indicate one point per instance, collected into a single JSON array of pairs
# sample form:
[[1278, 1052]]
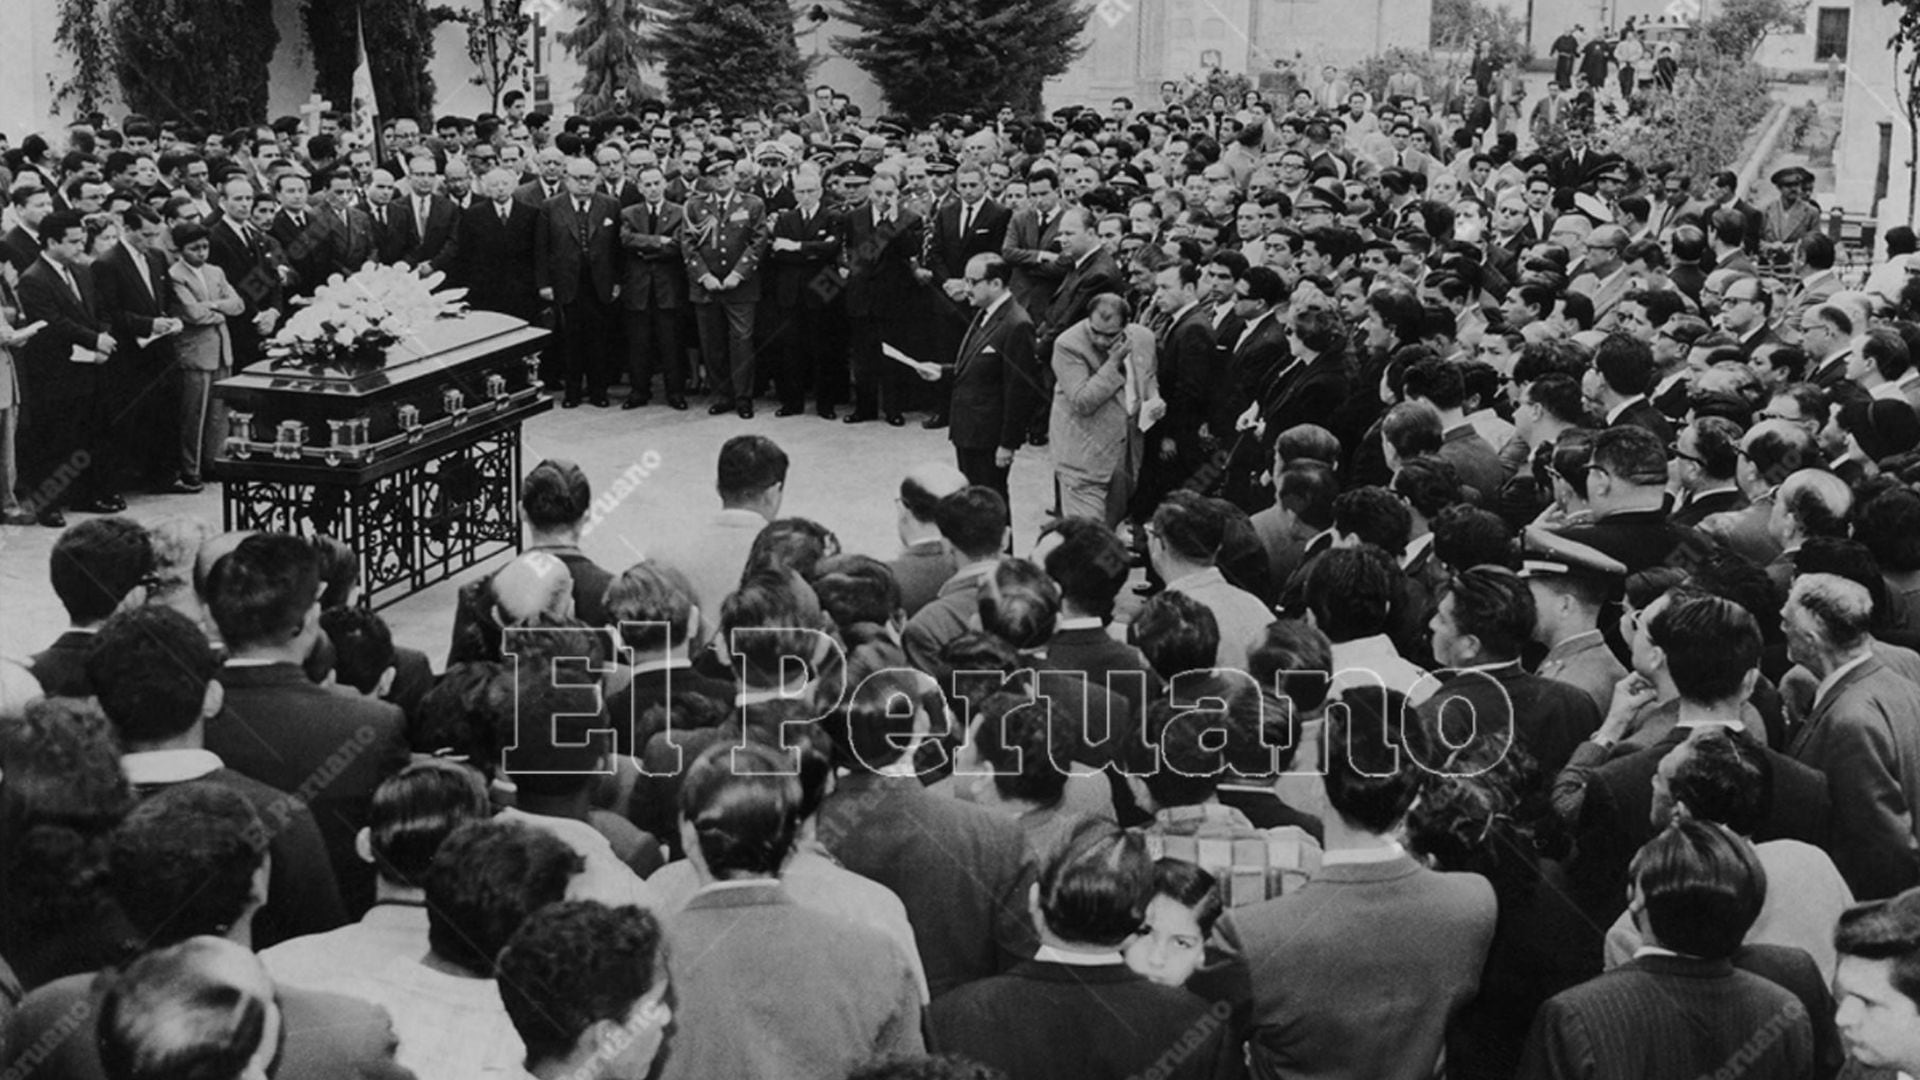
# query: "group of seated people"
[[1369, 784]]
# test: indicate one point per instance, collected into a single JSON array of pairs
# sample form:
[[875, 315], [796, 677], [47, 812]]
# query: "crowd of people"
[[1474, 635]]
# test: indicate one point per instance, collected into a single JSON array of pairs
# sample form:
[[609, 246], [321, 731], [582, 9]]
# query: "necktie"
[[146, 272], [580, 222], [966, 222], [380, 215], [506, 211], [420, 208]]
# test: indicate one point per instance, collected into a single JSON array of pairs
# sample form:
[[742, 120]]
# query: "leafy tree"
[[927, 54], [737, 55], [499, 34], [176, 58], [1738, 27], [608, 42], [1905, 44], [399, 37], [82, 34], [1457, 24]]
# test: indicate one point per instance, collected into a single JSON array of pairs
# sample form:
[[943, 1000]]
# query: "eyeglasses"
[[1673, 450]]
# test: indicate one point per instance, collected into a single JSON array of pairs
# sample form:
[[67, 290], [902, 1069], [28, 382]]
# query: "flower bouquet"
[[350, 322]]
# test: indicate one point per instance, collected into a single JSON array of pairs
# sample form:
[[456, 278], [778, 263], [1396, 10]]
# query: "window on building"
[[1830, 34]]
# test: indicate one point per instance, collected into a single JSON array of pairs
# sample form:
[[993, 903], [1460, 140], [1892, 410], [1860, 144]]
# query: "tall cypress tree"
[[175, 58], [399, 35], [928, 54], [739, 55], [611, 47]]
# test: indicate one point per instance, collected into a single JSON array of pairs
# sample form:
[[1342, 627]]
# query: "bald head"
[[533, 584]]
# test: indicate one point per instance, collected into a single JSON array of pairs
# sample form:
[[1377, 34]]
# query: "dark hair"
[[414, 810], [1019, 604], [1191, 887], [1308, 488], [362, 646], [1560, 396], [1090, 565], [1724, 777], [1711, 643], [262, 590], [743, 803], [1374, 516], [1307, 442], [1626, 363], [921, 1067], [96, 563], [870, 728], [1632, 454], [173, 1015], [1428, 483], [1176, 633], [795, 544], [1413, 428], [556, 494], [183, 862], [1095, 889], [62, 791], [149, 668], [1369, 783], [1265, 285], [572, 965], [1189, 527], [1493, 604], [652, 592], [1716, 440], [1351, 590], [749, 465], [1889, 525], [974, 520], [1702, 886], [1888, 351], [856, 589], [1888, 930], [1030, 742], [1466, 536], [484, 881], [1435, 381]]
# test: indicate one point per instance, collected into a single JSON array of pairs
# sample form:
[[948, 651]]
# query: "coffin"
[[439, 387]]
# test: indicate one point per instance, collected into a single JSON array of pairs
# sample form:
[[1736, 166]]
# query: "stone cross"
[[311, 111]]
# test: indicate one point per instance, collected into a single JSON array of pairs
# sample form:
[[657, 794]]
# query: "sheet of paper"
[[917, 365], [84, 355]]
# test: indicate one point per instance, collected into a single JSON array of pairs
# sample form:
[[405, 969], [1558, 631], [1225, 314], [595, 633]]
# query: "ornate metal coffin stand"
[[415, 466]]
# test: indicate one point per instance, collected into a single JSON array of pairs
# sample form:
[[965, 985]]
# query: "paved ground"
[[842, 476]]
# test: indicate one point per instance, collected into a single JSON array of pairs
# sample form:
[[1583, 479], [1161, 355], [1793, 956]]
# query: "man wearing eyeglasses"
[[1826, 333], [1705, 459], [1745, 309], [1606, 281]]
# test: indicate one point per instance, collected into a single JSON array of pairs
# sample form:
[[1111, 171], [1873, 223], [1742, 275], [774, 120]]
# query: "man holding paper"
[[1105, 396], [996, 385], [134, 295], [60, 378]]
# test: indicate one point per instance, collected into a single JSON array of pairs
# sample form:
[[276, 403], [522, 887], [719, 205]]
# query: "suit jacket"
[[328, 745], [47, 370], [996, 382], [322, 1036], [656, 268], [1661, 1017], [20, 248], [809, 277], [625, 192], [1053, 1021], [627, 707], [204, 301], [1862, 735], [1645, 414], [723, 244], [310, 247], [1616, 817], [1189, 366], [919, 571], [965, 896], [559, 258], [247, 269], [1545, 718], [948, 251], [1310, 395], [1090, 428], [61, 668], [1096, 274], [880, 262], [1255, 362], [535, 194], [128, 302], [1699, 508], [1034, 279], [736, 956], [1744, 531], [392, 233], [1355, 975], [355, 240], [495, 259], [433, 239]]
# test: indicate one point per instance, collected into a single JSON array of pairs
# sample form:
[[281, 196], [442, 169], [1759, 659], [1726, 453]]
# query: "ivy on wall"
[[180, 58]]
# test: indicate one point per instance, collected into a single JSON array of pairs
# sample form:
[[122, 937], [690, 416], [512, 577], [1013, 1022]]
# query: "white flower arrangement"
[[351, 321]]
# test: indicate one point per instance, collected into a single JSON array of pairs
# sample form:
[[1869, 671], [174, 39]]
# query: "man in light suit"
[[1606, 281], [204, 301], [576, 268], [1860, 733], [726, 237], [996, 386], [1104, 387], [60, 378], [132, 278], [655, 292]]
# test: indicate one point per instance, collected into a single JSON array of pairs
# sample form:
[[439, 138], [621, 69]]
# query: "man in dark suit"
[[1859, 734], [495, 254], [239, 249], [1032, 246], [329, 744], [1188, 367], [809, 335], [1258, 362], [430, 216], [1078, 1009], [655, 291], [1710, 649], [1091, 271], [1484, 618], [1627, 489], [22, 244], [304, 233], [971, 224], [1746, 312], [134, 294], [550, 184], [392, 238], [996, 384], [966, 896], [1706, 464], [884, 242], [576, 267], [726, 237], [94, 566], [354, 235], [64, 459]]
